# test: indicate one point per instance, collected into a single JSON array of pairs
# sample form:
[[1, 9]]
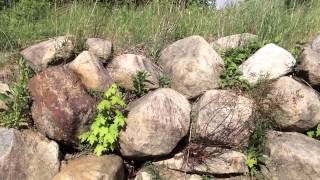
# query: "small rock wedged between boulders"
[[209, 160], [233, 41], [123, 68], [99, 47], [91, 72]]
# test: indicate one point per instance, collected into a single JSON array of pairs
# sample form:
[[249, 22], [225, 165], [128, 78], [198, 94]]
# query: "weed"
[[153, 170], [314, 133], [255, 151], [231, 78], [158, 22], [109, 120], [17, 99], [207, 177], [79, 42], [164, 82], [140, 83], [263, 122]]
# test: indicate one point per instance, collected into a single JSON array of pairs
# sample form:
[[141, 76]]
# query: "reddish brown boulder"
[[62, 109]]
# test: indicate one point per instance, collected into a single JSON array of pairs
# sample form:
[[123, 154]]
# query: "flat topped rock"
[[99, 47], [269, 62], [233, 41], [40, 55], [215, 161], [107, 167]]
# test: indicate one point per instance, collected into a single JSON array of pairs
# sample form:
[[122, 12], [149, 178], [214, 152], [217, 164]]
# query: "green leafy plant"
[[153, 170], [231, 78], [109, 120], [17, 99], [207, 177], [140, 83], [255, 150], [254, 159], [314, 133], [164, 82]]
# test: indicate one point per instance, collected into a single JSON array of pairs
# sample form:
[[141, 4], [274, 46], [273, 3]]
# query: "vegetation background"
[[148, 25]]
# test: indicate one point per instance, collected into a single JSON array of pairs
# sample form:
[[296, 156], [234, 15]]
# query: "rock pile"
[[192, 129]]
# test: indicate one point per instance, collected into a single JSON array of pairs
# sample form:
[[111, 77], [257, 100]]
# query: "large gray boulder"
[[124, 67], [223, 118], [99, 47], [40, 55], [233, 41], [309, 65], [91, 71], [107, 167], [155, 124], [292, 156], [27, 155], [62, 109], [294, 106], [269, 62], [192, 66], [214, 161]]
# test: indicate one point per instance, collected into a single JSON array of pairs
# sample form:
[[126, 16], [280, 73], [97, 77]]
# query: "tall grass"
[[160, 22]]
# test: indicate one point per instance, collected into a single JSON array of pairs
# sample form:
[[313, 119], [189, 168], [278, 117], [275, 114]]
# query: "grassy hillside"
[[148, 28]]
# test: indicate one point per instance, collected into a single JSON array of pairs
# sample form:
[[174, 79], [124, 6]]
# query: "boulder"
[[208, 160], [233, 41], [222, 4], [99, 47], [192, 66], [309, 65], [269, 62], [107, 167], [158, 172], [8, 71], [223, 118], [62, 109], [294, 106], [124, 67], [155, 124], [292, 156], [4, 89], [91, 72], [40, 55], [27, 155], [315, 44]]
